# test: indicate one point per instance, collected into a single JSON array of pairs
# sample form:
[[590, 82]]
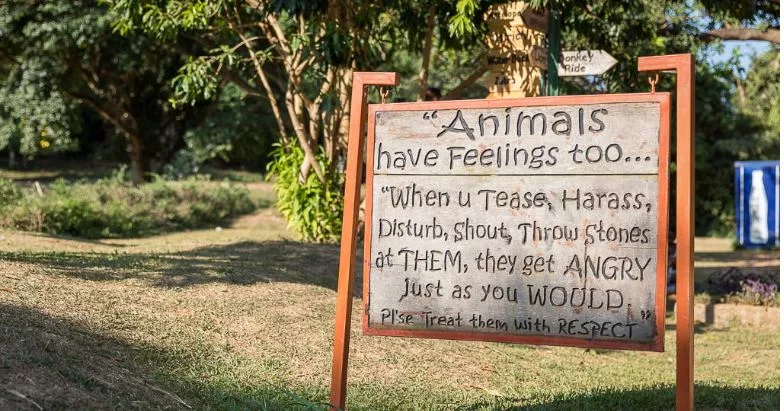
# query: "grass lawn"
[[242, 318]]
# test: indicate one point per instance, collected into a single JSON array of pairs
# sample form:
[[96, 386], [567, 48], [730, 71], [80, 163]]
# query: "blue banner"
[[757, 203]]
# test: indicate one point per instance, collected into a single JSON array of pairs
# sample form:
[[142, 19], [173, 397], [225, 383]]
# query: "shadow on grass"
[[748, 261], [95, 241], [246, 262], [699, 328], [707, 396], [46, 175], [53, 363], [749, 256]]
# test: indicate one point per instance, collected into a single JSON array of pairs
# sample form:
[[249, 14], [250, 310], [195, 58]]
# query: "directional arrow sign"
[[575, 63], [584, 63]]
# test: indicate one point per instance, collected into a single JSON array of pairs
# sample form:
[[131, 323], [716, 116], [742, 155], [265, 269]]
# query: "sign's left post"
[[348, 239]]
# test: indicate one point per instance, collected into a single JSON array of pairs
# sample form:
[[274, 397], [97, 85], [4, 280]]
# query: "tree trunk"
[[424, 72], [136, 155], [343, 123], [741, 92]]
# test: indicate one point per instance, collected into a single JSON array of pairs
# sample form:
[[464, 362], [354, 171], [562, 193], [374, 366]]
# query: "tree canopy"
[[205, 77], [62, 53]]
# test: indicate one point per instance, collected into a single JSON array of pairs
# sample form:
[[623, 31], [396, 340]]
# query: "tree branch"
[[100, 106], [470, 80], [741, 33], [425, 70], [265, 83], [225, 73], [6, 55]]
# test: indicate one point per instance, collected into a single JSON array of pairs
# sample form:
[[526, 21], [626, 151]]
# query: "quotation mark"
[[428, 115]]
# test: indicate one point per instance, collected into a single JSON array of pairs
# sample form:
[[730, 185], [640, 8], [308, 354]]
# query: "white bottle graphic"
[[758, 210]]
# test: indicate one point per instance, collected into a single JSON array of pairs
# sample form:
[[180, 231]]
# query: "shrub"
[[112, 207], [755, 292], [9, 192], [731, 280], [313, 209], [736, 286], [72, 216]]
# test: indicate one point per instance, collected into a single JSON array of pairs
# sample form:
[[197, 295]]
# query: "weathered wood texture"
[[521, 133], [509, 40], [551, 234]]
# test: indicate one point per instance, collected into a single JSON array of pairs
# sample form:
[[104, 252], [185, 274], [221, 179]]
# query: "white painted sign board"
[[538, 220], [575, 63]]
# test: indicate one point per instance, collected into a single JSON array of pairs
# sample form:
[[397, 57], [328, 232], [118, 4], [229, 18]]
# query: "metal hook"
[[384, 92], [653, 80]]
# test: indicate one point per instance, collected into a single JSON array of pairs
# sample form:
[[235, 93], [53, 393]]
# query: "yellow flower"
[[44, 144]]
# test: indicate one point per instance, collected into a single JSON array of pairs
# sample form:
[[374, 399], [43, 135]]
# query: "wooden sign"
[[632, 134], [509, 73], [511, 38], [512, 11], [584, 63], [518, 13], [536, 19], [509, 41], [538, 220], [575, 63], [538, 57]]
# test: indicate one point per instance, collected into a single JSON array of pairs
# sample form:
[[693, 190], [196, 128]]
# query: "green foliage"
[[461, 23], [9, 192], [726, 131], [238, 131], [36, 117], [312, 209], [762, 94], [65, 60], [112, 207], [195, 81]]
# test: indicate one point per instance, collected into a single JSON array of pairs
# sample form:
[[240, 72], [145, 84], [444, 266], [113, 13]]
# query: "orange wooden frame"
[[662, 214], [348, 236], [684, 67], [683, 64]]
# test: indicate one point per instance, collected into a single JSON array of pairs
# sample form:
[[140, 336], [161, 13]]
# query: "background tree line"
[[168, 85]]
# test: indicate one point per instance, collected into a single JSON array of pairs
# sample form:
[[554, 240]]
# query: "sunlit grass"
[[242, 318]]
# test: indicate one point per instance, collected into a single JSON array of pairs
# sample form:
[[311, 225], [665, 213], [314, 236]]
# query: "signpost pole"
[[348, 239], [683, 64], [553, 52]]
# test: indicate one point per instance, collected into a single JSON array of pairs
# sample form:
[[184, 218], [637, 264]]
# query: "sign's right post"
[[683, 64]]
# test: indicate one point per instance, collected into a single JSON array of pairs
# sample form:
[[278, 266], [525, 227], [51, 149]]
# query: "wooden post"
[[683, 64], [348, 238], [553, 52]]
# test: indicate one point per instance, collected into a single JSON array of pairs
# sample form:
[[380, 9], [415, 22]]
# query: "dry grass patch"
[[242, 318]]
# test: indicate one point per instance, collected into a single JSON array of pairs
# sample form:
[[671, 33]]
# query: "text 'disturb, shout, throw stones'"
[[535, 221]]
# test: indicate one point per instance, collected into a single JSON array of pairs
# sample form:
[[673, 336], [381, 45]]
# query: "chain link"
[[653, 80]]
